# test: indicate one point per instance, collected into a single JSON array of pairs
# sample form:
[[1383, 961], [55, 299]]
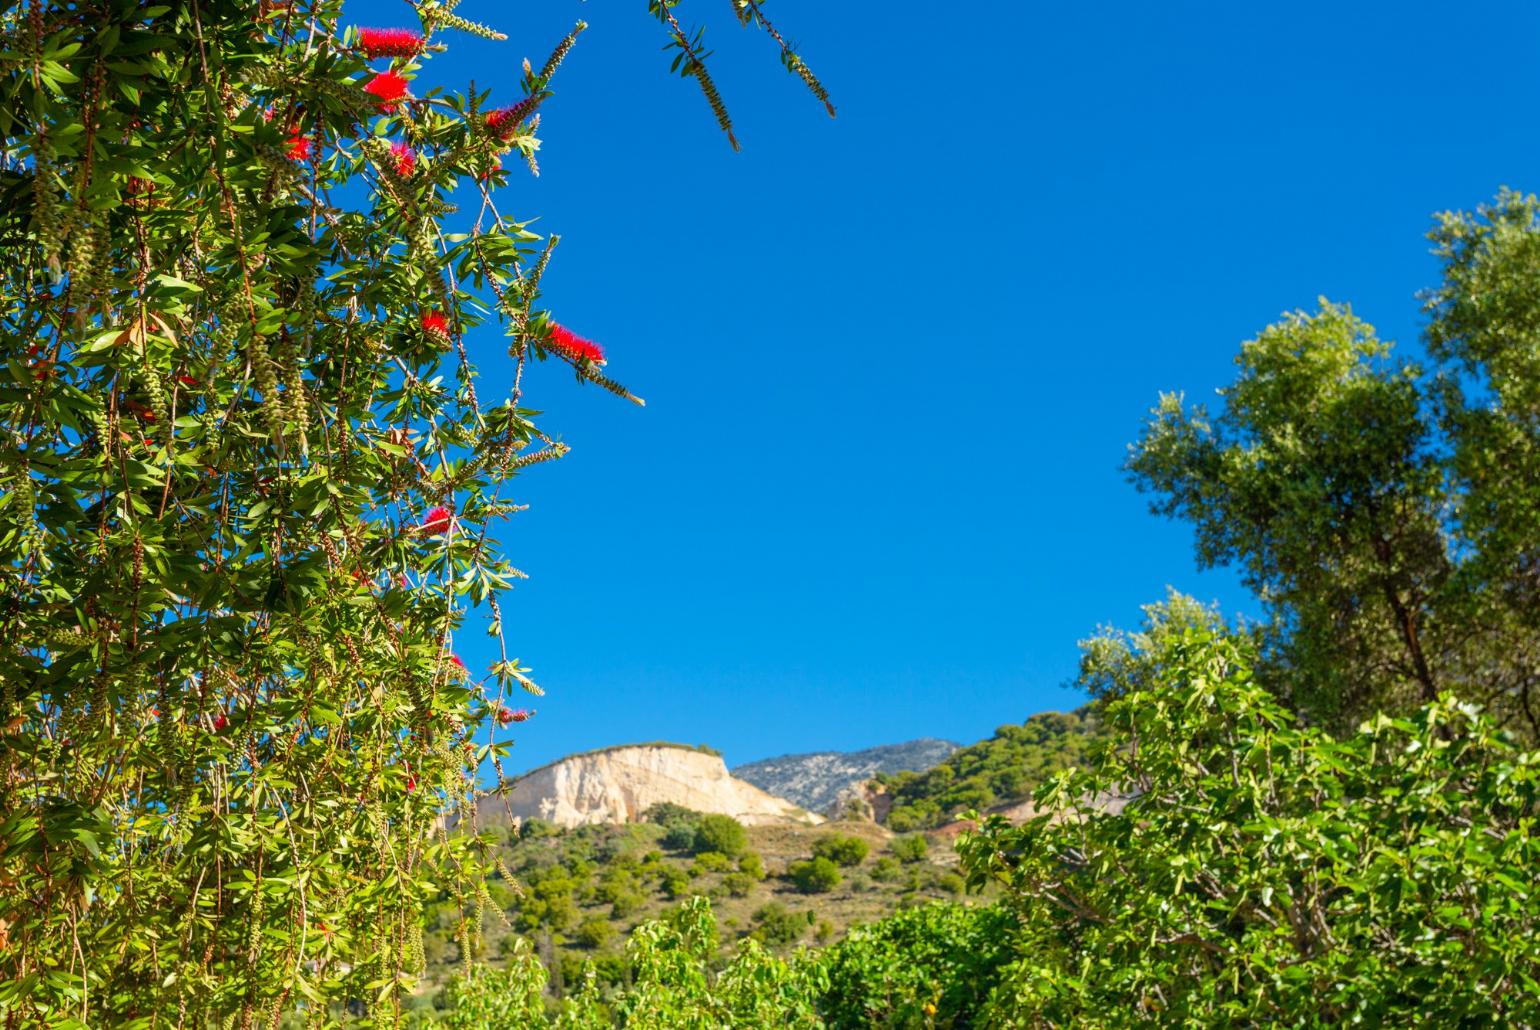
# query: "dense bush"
[[775, 924], [814, 876], [721, 833], [841, 849], [679, 837], [911, 847], [932, 966], [1267, 874]]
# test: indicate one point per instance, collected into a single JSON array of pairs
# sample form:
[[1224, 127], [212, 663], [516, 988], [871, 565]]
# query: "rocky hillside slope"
[[817, 780], [618, 784]]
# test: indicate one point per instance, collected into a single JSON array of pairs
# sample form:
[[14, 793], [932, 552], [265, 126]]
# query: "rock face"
[[618, 784], [819, 780]]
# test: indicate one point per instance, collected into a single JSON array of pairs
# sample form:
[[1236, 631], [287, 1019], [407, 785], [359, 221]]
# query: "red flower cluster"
[[406, 159], [299, 147], [220, 722], [437, 521], [388, 87], [460, 668], [503, 122], [574, 346], [435, 323], [389, 42]]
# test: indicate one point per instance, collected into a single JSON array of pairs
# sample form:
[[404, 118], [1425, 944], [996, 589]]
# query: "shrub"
[[594, 932], [675, 882], [886, 869], [739, 885], [841, 849], [815, 876], [777, 925], [710, 862], [929, 966], [626, 903], [721, 833], [910, 847], [751, 864], [666, 813], [679, 837]]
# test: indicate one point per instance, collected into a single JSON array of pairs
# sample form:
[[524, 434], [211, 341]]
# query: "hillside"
[[817, 779], [618, 784], [993, 773], [577, 892]]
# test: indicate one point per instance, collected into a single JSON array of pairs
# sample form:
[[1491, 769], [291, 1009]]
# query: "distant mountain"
[[816, 780]]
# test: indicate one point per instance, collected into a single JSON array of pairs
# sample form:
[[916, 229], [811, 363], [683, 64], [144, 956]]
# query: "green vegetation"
[[582, 892], [722, 834], [1267, 874], [1270, 874], [251, 488], [1296, 822], [815, 875], [1384, 513], [1006, 767], [250, 495], [911, 847], [841, 850]]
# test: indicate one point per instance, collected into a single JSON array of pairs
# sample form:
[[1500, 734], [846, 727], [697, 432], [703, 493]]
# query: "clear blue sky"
[[892, 361]]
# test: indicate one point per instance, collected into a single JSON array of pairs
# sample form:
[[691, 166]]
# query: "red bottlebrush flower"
[[438, 520], [459, 666], [411, 784], [388, 87], [389, 42], [503, 122], [187, 380], [574, 346], [519, 715], [220, 722], [435, 323], [406, 159], [299, 147], [504, 716]]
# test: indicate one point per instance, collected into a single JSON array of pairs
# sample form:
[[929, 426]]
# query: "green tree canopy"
[[1384, 514]]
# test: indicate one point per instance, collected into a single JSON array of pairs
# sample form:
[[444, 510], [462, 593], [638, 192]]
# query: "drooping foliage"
[[1268, 874], [249, 493]]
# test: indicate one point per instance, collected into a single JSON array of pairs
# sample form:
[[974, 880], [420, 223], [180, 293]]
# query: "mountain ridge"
[[817, 780]]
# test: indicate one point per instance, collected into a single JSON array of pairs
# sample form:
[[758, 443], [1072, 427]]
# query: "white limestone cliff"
[[619, 784]]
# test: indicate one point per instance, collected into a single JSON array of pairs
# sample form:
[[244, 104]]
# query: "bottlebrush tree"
[[248, 494]]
